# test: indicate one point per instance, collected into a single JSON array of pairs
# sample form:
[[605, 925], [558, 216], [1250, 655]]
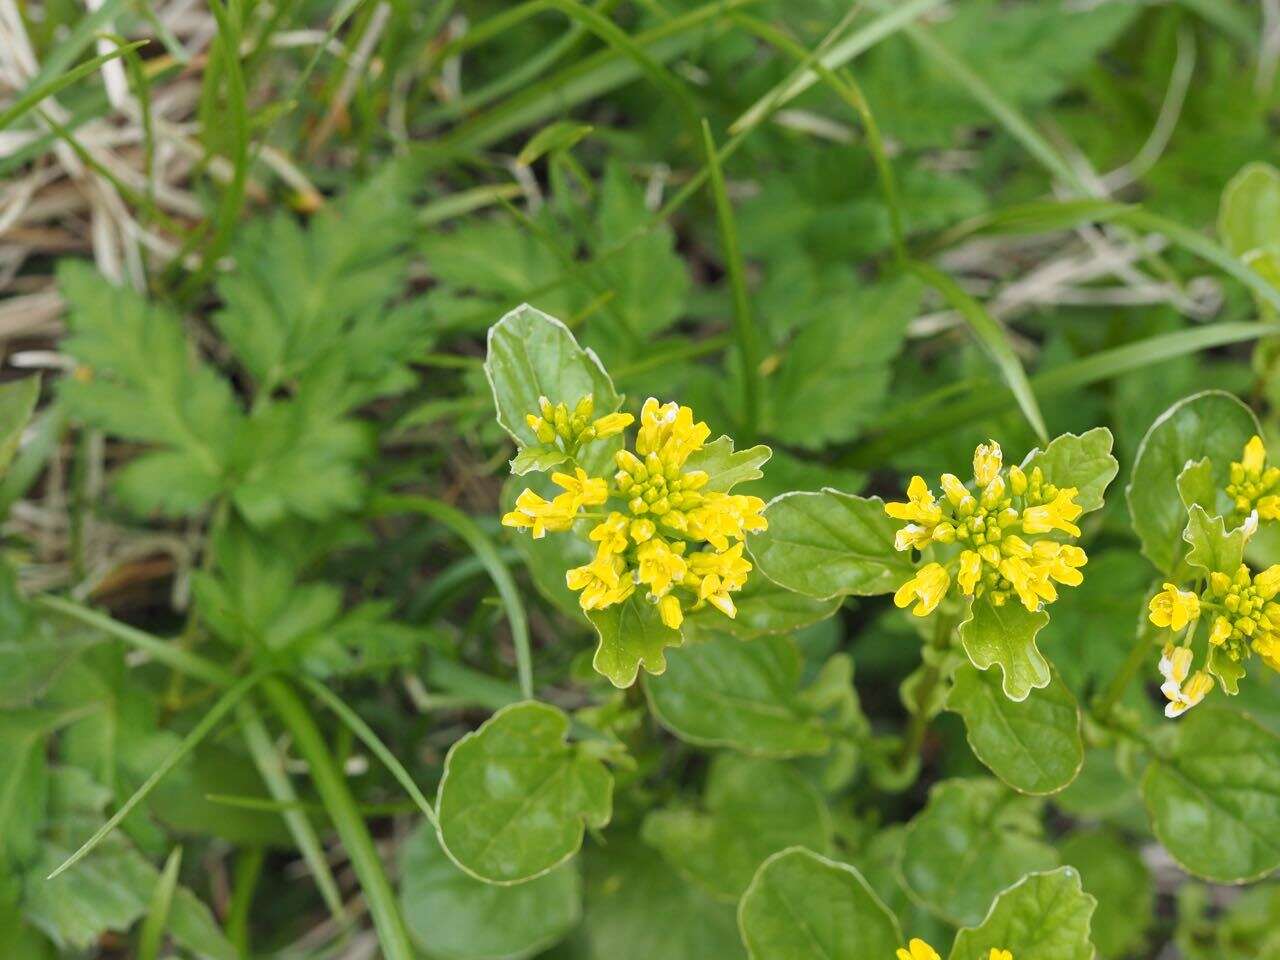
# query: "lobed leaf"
[[745, 696], [1005, 636], [1212, 547], [724, 467], [1211, 424], [1033, 745], [802, 906], [973, 839], [1084, 462], [1044, 916], [631, 635], [751, 808], [829, 544], [515, 797], [1214, 798]]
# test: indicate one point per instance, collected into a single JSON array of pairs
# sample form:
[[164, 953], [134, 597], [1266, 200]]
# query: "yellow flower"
[[540, 515], [585, 490], [917, 949], [717, 575], [928, 587], [987, 461], [612, 425], [601, 583], [1267, 583], [970, 571], [722, 516], [920, 507], [1182, 700], [669, 610], [997, 954], [611, 533], [1253, 485], [1058, 514], [660, 565], [669, 431], [1174, 608], [999, 530], [1221, 631]]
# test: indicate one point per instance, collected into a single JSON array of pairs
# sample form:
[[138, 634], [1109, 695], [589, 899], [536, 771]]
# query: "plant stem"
[[248, 871], [919, 723], [1138, 655], [331, 785]]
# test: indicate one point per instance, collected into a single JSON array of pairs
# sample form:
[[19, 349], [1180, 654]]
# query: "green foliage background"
[[254, 590]]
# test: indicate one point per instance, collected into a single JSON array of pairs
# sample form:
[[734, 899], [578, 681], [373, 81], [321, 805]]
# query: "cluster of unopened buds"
[[657, 527], [1244, 619], [917, 949], [1253, 486], [994, 539]]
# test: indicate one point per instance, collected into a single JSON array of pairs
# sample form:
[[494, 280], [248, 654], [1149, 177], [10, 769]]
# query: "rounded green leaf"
[[802, 906], [1033, 745], [1211, 424], [743, 695], [974, 838], [1044, 916], [515, 797], [1249, 214], [1214, 798], [632, 635], [638, 908], [455, 917], [1114, 875], [751, 808], [830, 544], [1084, 462], [532, 355], [1005, 636], [764, 608]]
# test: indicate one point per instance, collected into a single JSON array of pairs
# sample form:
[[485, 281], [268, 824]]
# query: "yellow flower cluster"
[[917, 949], [999, 527], [660, 529], [557, 427], [1253, 485], [1245, 620]]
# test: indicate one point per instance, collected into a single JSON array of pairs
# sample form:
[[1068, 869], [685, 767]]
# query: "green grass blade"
[[372, 741], [993, 338], [201, 730], [151, 936], [466, 201], [271, 768], [743, 326], [331, 785], [1205, 248], [36, 93], [482, 547], [164, 651], [248, 871], [912, 425], [840, 54], [1038, 216]]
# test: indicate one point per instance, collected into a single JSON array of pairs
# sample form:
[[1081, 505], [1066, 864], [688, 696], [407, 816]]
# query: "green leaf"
[[764, 609], [1084, 462], [725, 468], [745, 696], [1034, 745], [515, 797], [823, 392], [973, 839], [630, 886], [830, 544], [537, 458], [1249, 215], [1229, 672], [1214, 798], [1211, 424], [1212, 548], [1113, 874], [1196, 484], [303, 298], [802, 906], [144, 381], [632, 635], [553, 138], [456, 917], [1044, 916], [532, 355], [1006, 636], [17, 402], [751, 808]]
